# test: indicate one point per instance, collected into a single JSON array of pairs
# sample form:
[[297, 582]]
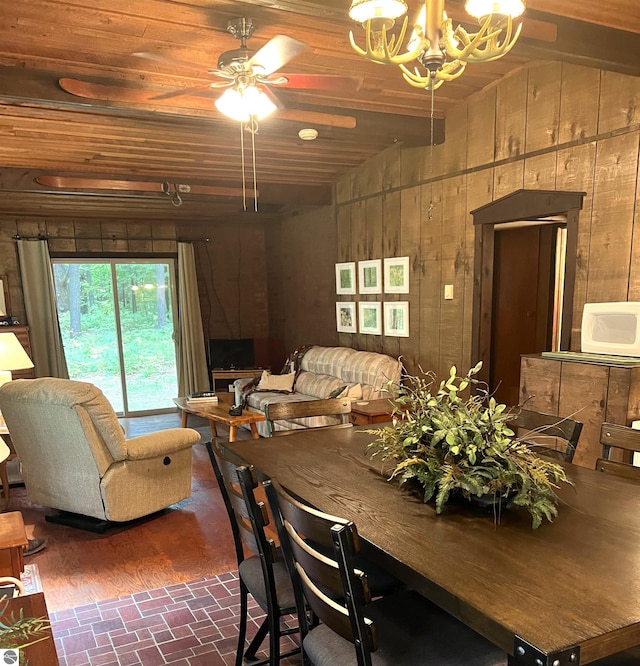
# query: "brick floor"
[[190, 624]]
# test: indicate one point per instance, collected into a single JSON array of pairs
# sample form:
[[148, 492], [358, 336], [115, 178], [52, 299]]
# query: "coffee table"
[[219, 413]]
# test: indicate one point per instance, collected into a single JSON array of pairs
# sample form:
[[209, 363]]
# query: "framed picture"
[[396, 275], [396, 319], [346, 317], [369, 317], [346, 278], [370, 276]]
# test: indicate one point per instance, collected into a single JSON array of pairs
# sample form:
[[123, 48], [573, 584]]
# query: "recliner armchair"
[[75, 456]]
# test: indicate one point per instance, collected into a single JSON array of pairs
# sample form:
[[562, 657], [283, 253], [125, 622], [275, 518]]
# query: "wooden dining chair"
[[402, 628], [615, 436], [264, 574], [551, 436], [340, 408]]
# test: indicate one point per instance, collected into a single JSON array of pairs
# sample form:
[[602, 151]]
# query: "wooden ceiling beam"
[[585, 44]]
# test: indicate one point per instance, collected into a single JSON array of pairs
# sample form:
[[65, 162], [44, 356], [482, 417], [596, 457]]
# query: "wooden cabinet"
[[221, 379], [589, 392]]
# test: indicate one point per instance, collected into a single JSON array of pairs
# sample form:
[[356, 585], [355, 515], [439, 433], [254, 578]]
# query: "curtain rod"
[[18, 237]]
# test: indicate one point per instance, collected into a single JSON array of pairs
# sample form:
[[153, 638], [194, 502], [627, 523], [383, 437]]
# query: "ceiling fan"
[[241, 68], [247, 76]]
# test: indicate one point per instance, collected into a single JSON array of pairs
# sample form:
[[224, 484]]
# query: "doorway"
[[523, 282], [117, 324], [527, 288]]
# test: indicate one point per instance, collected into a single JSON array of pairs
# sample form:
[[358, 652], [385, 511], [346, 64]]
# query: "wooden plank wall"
[[302, 251], [231, 264], [548, 126]]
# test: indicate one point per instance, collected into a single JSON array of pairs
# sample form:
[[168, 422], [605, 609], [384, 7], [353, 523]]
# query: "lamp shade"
[[482, 8], [369, 10], [12, 353]]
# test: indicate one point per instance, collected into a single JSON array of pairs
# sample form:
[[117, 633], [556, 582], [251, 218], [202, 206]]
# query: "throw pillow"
[[354, 392], [336, 392], [269, 382]]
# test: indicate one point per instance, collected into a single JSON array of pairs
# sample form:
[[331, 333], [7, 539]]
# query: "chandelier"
[[441, 51]]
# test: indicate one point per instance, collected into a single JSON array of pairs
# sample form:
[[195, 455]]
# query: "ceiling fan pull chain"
[[244, 184], [254, 129], [430, 211]]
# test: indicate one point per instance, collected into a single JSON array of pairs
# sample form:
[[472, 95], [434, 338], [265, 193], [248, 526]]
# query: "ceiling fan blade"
[[104, 92], [100, 91], [65, 182], [167, 60], [278, 51], [319, 82], [193, 90]]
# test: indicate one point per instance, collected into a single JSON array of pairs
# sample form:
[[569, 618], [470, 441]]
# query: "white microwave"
[[611, 328]]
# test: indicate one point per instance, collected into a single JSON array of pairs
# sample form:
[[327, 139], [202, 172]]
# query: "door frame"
[[521, 205]]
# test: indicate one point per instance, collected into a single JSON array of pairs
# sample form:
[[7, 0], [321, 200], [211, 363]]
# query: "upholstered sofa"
[[323, 372]]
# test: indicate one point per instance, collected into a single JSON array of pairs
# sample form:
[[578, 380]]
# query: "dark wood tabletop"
[[568, 588]]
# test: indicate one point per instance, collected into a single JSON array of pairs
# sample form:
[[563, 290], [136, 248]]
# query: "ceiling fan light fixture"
[[242, 105]]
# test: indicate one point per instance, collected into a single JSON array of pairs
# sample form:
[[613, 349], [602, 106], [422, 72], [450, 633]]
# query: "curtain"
[[40, 306], [192, 361]]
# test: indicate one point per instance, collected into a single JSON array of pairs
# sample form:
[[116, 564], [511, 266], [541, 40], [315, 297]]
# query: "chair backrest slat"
[[335, 590], [285, 411], [616, 436], [618, 468], [553, 436], [248, 517]]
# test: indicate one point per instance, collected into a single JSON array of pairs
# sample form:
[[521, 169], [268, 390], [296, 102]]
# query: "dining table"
[[566, 593]]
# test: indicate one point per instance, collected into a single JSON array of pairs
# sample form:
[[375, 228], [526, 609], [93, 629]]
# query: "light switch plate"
[[448, 292]]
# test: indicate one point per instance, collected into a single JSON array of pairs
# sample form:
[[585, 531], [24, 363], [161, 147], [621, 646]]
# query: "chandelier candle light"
[[441, 51]]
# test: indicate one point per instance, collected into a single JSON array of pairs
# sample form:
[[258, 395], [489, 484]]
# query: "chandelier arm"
[[426, 83], [387, 52], [448, 72], [504, 47], [482, 46]]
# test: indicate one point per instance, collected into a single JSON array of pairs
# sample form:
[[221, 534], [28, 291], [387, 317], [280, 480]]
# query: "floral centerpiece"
[[456, 440]]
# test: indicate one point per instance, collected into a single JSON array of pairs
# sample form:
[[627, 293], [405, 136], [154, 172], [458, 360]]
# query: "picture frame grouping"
[[373, 276], [390, 318]]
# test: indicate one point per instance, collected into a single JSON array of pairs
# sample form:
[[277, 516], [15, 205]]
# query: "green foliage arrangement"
[[19, 632], [452, 444]]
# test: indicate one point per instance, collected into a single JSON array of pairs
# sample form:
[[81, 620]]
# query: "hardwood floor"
[[188, 542]]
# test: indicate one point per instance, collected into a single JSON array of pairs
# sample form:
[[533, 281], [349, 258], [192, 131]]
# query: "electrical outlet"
[[448, 292]]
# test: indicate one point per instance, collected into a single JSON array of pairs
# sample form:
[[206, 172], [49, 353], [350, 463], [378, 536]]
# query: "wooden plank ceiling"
[[54, 145]]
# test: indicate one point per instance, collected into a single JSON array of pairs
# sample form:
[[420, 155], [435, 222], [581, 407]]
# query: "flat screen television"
[[231, 354]]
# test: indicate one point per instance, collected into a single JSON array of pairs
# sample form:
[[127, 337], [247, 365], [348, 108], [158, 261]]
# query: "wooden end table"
[[4, 478], [219, 413], [366, 412], [13, 539]]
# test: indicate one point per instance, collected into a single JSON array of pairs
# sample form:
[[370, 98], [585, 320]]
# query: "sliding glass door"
[[117, 323]]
